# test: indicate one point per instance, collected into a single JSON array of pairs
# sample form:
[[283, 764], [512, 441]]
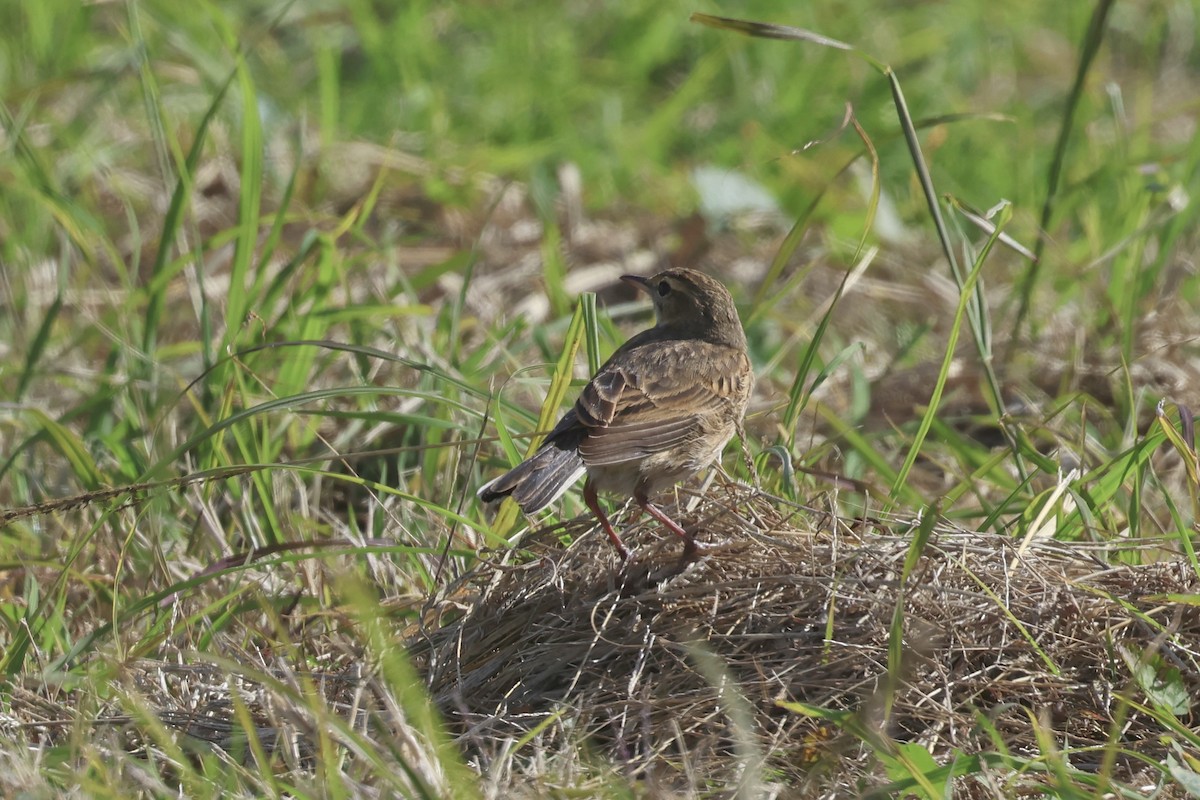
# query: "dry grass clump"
[[676, 671]]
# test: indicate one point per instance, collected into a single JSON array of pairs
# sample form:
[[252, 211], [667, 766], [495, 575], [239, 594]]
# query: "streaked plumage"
[[661, 409]]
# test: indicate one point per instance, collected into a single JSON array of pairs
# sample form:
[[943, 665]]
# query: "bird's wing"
[[637, 406]]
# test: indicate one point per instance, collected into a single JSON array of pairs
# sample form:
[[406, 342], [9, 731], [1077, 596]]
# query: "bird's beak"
[[638, 281]]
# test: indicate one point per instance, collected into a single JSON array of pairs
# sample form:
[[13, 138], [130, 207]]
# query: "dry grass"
[[992, 638]]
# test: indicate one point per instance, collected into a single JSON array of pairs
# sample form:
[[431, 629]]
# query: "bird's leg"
[[690, 546], [593, 502]]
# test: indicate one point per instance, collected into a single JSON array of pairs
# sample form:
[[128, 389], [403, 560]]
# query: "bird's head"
[[693, 303]]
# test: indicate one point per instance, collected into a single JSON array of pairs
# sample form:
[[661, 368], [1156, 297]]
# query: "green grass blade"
[[560, 383], [965, 298], [1092, 40]]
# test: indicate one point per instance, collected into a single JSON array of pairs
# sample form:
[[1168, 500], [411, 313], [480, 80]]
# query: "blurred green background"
[[631, 92]]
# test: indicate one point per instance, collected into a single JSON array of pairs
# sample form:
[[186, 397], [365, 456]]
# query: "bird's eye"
[[664, 289]]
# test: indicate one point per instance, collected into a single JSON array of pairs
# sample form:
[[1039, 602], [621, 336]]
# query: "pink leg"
[[589, 497], [690, 546]]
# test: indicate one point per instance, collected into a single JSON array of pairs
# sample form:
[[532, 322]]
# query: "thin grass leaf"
[[151, 94], [1092, 40], [296, 373], [238, 299], [1099, 486], [988, 467], [766, 30], [160, 276], [70, 447], [965, 298], [591, 327], [248, 736], [1182, 446], [895, 664], [914, 763], [876, 187], [798, 396], [37, 346], [983, 222], [768, 293], [560, 383]]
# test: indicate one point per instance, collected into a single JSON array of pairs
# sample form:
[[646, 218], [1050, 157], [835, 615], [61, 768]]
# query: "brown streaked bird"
[[660, 410]]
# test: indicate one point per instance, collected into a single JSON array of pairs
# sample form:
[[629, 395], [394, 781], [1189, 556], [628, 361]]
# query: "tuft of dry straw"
[[998, 636]]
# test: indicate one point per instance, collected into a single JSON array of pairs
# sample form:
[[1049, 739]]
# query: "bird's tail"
[[540, 479]]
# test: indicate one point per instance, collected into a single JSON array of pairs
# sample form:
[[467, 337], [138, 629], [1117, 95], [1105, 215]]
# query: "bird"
[[661, 409]]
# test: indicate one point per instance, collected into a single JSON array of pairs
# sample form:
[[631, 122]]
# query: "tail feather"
[[540, 479]]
